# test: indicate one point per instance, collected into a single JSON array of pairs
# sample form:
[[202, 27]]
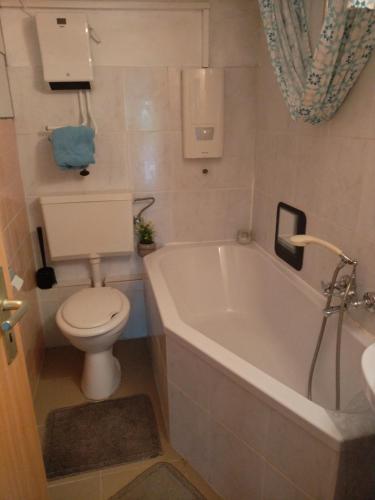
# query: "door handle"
[[20, 306]]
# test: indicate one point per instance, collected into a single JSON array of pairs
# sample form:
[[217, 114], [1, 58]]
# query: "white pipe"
[[96, 278], [83, 114], [89, 110], [205, 38], [93, 35]]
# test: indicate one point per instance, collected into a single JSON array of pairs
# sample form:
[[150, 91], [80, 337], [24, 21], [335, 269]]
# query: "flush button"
[[204, 133]]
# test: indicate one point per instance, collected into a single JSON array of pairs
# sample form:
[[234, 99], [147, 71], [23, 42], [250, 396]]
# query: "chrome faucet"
[[345, 287]]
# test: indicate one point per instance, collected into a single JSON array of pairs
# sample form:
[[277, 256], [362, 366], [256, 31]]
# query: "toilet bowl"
[[92, 320]]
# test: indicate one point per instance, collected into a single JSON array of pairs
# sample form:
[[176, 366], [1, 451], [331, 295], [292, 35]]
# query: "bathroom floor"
[[59, 387]]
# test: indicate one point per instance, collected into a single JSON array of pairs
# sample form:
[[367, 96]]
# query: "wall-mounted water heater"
[[65, 49], [203, 112]]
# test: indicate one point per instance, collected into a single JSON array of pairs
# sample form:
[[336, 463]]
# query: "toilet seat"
[[93, 311]]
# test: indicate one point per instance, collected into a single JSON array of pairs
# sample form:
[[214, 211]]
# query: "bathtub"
[[233, 332]]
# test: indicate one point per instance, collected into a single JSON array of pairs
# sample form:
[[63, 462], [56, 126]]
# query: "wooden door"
[[22, 475]]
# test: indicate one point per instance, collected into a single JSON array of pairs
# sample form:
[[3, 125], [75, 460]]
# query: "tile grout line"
[[257, 452], [101, 489]]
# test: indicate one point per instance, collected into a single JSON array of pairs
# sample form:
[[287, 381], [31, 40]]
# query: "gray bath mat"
[[95, 435], [160, 482]]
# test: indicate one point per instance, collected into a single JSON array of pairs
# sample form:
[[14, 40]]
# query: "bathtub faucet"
[[367, 302], [346, 286]]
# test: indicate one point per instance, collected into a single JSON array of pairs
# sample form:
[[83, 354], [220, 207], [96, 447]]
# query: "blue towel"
[[73, 147]]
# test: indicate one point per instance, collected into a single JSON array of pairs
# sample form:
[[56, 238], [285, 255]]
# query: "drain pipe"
[[96, 278]]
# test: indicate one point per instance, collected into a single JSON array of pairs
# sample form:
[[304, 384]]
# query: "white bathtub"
[[241, 326]]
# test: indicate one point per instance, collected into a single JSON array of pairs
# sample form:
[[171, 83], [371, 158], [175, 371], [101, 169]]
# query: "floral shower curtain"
[[314, 85]]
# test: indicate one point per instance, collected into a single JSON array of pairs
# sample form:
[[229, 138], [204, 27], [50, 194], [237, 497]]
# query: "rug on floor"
[[95, 435], [162, 481]]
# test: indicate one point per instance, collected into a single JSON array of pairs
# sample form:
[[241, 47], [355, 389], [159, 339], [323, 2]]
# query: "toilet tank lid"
[[87, 197], [93, 307]]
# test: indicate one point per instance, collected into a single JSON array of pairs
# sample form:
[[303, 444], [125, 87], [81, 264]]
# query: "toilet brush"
[[45, 276]]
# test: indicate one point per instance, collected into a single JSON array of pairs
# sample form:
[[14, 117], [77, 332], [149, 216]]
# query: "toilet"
[[92, 226], [92, 320]]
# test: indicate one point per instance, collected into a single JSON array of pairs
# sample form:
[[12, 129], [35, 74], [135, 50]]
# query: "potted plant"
[[145, 232]]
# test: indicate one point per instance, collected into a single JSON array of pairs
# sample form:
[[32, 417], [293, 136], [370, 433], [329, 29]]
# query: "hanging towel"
[[73, 147]]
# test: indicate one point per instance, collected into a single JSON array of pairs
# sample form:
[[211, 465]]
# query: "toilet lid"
[[92, 307]]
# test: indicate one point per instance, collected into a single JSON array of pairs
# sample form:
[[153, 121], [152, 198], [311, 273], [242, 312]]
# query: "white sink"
[[368, 371]]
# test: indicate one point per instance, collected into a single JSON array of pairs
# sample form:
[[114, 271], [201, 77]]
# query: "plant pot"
[[145, 248]]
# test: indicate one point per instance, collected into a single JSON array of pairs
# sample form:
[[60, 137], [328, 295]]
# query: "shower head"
[[301, 240]]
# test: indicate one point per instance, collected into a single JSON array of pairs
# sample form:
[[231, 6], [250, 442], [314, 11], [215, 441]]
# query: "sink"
[[368, 371]]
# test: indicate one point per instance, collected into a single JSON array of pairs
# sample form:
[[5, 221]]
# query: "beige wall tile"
[[264, 220], [239, 111], [239, 411], [146, 98], [174, 90], [276, 487], [150, 159], [187, 371], [293, 451], [16, 237], [236, 471], [190, 441], [233, 33], [108, 99]]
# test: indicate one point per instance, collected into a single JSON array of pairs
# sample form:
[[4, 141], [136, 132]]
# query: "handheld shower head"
[[301, 240]]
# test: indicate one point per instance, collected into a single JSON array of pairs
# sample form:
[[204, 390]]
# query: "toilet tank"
[[79, 226]]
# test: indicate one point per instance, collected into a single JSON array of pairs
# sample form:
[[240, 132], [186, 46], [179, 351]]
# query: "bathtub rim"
[[309, 415]]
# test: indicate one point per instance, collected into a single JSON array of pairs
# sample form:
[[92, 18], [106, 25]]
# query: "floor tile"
[[114, 481], [196, 480], [60, 386], [61, 362], [56, 393]]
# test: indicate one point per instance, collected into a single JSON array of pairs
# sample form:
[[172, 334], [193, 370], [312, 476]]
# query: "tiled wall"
[[15, 232], [325, 170], [139, 118]]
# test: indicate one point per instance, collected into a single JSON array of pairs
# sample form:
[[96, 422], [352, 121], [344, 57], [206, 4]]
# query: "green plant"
[[145, 232]]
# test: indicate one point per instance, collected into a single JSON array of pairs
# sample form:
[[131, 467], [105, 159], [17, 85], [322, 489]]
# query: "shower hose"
[[338, 335]]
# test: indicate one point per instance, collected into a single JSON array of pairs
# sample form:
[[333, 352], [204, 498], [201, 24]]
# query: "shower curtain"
[[314, 85]]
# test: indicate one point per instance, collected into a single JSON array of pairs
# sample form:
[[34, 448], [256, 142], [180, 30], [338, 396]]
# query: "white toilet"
[[92, 319]]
